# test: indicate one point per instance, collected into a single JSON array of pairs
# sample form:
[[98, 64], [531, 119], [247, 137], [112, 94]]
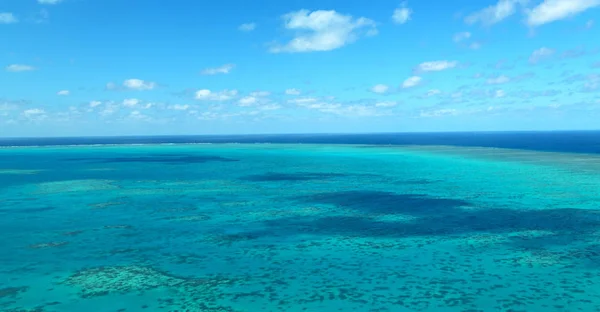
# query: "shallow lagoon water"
[[275, 227]]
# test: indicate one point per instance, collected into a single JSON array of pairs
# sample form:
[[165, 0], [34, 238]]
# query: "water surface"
[[298, 227]]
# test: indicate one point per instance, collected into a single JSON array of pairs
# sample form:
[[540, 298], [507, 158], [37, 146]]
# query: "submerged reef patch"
[[20, 171], [165, 159], [228, 239], [71, 186], [107, 204], [12, 291], [38, 309], [299, 176], [48, 245], [104, 280], [189, 293], [200, 217]]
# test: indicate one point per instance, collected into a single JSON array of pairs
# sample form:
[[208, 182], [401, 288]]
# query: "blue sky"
[[113, 67]]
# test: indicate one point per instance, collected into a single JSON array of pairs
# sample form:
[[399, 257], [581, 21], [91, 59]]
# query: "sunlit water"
[[260, 227]]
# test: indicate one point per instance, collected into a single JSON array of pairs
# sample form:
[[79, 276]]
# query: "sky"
[[114, 67]]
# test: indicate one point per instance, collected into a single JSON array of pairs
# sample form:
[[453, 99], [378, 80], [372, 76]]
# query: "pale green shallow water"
[[298, 228]]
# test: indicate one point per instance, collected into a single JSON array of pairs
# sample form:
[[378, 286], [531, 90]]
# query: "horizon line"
[[292, 134]]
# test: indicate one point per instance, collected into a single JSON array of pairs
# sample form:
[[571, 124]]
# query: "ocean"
[[362, 222]]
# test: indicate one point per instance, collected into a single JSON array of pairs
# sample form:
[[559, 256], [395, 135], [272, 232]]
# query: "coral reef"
[[19, 171], [74, 186], [48, 245], [107, 204], [228, 239], [103, 280], [12, 291], [118, 227], [189, 218], [189, 294]]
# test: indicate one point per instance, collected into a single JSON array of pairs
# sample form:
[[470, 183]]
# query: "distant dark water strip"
[[564, 141]]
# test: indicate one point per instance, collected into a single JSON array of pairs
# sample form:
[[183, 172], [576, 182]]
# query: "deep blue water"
[[560, 141]]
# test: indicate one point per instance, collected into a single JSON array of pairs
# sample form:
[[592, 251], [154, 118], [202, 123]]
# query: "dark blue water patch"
[[552, 141], [387, 202], [301, 176], [167, 159], [447, 220]]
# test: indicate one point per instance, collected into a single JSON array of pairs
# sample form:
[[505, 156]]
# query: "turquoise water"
[[262, 227]]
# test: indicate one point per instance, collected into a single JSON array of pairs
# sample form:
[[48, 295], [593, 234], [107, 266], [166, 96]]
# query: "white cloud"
[[63, 92], [540, 54], [8, 18], [323, 31], [209, 116], [461, 36], [553, 10], [225, 69], [179, 107], [207, 95], [433, 92], [355, 111], [138, 84], [95, 103], [411, 82], [436, 66], [137, 115], [34, 111], [248, 101], [341, 110], [35, 114], [500, 93], [131, 102], [247, 27], [498, 80], [386, 104], [110, 108], [19, 68], [402, 14], [380, 88], [269, 107], [495, 13], [49, 1], [439, 112], [260, 93], [313, 103], [254, 98], [292, 91], [303, 101]]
